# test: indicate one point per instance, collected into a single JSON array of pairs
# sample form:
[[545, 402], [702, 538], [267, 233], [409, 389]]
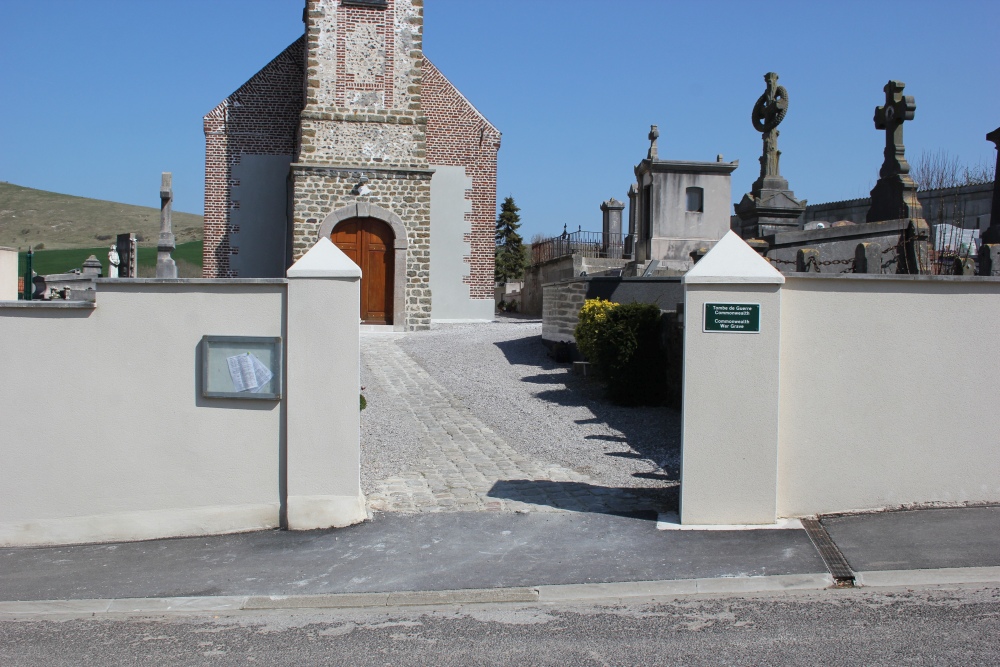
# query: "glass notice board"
[[241, 367]]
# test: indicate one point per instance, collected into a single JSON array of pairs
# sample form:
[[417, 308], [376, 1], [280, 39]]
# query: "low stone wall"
[[560, 268], [564, 299]]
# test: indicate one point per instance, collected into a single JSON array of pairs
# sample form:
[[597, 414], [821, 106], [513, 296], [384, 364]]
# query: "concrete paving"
[[966, 537], [423, 552]]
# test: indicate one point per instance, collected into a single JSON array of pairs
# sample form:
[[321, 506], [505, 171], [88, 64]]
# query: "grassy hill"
[[44, 262], [57, 221]]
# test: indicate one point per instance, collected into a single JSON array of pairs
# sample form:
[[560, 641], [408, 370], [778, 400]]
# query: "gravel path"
[[462, 414]]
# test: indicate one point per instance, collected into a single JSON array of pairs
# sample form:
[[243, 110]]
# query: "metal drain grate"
[[835, 561]]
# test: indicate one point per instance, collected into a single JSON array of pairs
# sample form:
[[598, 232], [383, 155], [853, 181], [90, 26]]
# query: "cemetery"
[[820, 362]]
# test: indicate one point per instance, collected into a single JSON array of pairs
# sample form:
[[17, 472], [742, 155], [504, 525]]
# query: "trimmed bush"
[[623, 341], [592, 318]]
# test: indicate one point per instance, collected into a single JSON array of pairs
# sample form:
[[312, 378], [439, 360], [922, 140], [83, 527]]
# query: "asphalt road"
[[957, 626]]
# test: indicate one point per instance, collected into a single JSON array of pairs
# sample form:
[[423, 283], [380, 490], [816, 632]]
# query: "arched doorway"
[[369, 244]]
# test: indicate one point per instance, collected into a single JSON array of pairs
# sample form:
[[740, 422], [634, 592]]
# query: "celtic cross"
[[898, 109], [768, 113]]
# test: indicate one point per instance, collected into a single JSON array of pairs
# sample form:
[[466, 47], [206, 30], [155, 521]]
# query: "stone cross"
[[894, 196], [898, 108], [992, 233], [768, 113], [654, 134], [165, 265]]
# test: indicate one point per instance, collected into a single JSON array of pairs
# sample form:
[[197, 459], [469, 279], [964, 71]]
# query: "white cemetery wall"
[[885, 387], [106, 434], [8, 274], [859, 391]]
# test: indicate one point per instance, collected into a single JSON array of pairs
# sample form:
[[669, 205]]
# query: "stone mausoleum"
[[352, 134], [677, 207]]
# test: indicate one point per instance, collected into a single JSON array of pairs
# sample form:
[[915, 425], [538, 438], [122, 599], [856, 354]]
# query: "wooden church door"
[[369, 244]]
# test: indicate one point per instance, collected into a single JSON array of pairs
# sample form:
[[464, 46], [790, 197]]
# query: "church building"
[[352, 134]]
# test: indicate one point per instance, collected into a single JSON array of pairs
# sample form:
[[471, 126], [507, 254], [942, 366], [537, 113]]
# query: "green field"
[[44, 262]]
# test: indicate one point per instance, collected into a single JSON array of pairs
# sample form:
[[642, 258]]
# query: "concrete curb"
[[545, 594], [542, 594], [675, 587], [952, 575]]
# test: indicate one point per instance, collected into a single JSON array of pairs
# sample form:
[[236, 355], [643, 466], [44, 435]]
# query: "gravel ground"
[[503, 374]]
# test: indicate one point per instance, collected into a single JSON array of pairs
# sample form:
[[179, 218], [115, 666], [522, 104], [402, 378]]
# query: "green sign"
[[732, 317]]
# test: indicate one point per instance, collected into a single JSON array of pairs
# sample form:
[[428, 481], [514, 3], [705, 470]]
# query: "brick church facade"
[[351, 133]]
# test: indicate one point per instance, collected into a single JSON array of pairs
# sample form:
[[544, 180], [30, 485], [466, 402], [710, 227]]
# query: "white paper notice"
[[261, 372], [241, 370]]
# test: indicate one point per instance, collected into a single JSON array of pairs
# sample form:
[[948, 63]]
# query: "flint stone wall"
[[320, 191]]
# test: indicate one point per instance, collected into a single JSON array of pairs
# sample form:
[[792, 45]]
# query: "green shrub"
[[592, 319], [630, 356]]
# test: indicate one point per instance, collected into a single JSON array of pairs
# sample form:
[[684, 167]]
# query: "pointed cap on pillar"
[[324, 260], [731, 261]]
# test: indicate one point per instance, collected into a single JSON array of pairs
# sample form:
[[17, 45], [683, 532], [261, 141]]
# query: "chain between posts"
[[813, 262]]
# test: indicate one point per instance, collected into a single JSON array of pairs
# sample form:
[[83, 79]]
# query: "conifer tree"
[[510, 259]]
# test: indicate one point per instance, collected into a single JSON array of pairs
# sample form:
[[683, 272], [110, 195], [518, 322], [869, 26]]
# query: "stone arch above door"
[[365, 210], [400, 243]]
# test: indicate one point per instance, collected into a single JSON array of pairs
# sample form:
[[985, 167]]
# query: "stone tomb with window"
[[679, 208]]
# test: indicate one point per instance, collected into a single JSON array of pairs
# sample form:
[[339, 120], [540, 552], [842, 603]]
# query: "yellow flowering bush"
[[588, 331]]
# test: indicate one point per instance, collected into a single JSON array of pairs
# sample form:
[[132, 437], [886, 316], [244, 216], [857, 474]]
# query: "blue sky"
[[98, 97]]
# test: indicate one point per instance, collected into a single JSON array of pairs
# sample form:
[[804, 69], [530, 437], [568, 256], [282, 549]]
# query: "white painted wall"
[[106, 436], [105, 433], [860, 392], [8, 274], [885, 387]]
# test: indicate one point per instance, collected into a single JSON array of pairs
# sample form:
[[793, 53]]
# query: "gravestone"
[[894, 196], [611, 224], [165, 265], [992, 233], [769, 207], [127, 248]]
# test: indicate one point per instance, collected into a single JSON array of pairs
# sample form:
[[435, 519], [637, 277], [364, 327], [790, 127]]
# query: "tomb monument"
[[769, 207]]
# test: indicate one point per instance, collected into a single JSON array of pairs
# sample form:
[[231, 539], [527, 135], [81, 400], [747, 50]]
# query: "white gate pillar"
[[729, 441], [323, 446]]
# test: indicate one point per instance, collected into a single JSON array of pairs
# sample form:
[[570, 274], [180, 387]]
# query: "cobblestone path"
[[465, 465]]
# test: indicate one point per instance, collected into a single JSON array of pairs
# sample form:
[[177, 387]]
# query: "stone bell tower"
[[362, 146]]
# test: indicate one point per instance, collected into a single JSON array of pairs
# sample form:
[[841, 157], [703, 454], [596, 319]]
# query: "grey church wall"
[[449, 248], [262, 193]]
